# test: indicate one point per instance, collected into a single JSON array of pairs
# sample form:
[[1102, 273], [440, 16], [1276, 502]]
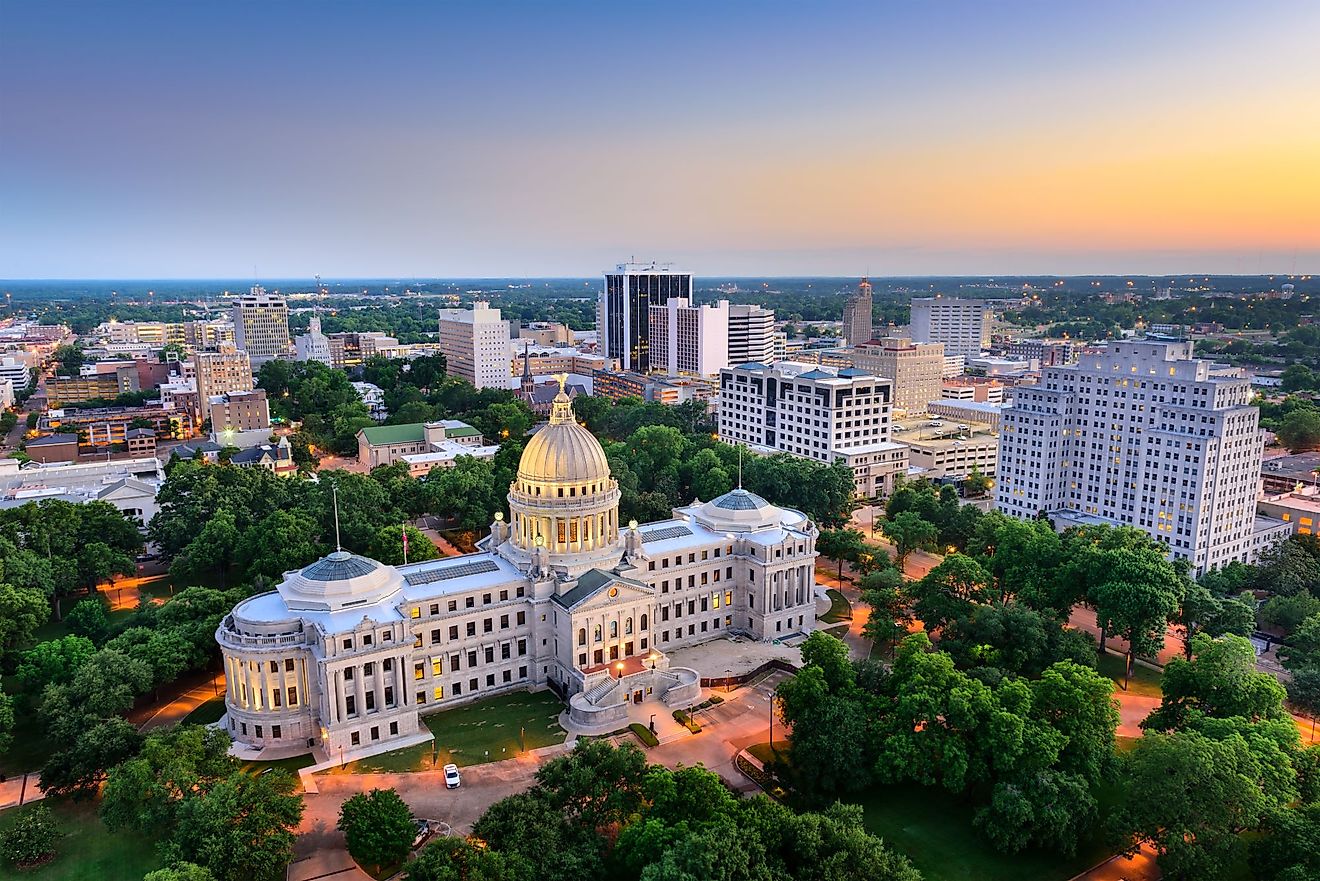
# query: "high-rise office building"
[[751, 335], [1143, 435], [624, 309], [228, 369], [917, 370], [857, 312], [689, 340], [963, 326], [475, 342], [816, 412], [261, 324], [313, 345]]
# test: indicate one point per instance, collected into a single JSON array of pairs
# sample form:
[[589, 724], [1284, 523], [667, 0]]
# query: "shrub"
[[715, 699], [686, 721], [31, 840], [378, 827], [644, 734]]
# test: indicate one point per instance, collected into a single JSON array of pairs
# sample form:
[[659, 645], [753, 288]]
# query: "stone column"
[[403, 686], [378, 686], [251, 702], [360, 691], [337, 679]]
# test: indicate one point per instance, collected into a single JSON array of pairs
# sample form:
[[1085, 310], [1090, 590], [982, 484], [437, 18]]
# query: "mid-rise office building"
[[475, 342], [238, 412], [1046, 353], [1141, 434], [963, 326], [689, 340], [16, 371], [225, 370], [917, 369], [261, 324], [105, 385], [352, 349], [857, 315], [624, 309], [816, 412], [752, 337], [313, 345]]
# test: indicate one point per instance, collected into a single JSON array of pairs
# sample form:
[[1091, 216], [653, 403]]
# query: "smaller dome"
[[738, 510], [338, 580], [739, 500], [563, 451]]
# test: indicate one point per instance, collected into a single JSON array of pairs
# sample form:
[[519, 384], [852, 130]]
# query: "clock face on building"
[[614, 591]]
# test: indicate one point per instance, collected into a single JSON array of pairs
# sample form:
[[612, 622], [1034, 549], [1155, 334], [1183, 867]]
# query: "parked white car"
[[452, 780]]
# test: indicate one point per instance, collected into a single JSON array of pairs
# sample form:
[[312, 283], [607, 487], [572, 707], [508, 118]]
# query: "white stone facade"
[[816, 412], [475, 342], [346, 654], [1142, 435]]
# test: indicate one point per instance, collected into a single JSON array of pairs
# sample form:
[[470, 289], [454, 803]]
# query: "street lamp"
[[653, 723], [619, 667]]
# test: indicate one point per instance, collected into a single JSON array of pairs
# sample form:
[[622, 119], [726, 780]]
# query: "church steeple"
[[527, 385]]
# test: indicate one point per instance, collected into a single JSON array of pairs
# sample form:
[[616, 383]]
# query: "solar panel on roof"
[[665, 532], [445, 573]]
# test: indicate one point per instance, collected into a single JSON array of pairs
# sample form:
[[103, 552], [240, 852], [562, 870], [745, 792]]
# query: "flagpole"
[[404, 530]]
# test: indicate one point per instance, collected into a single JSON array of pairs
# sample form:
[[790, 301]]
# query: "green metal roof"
[[465, 431], [382, 435]]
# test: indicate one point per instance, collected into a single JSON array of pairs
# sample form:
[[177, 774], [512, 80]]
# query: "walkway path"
[[176, 710]]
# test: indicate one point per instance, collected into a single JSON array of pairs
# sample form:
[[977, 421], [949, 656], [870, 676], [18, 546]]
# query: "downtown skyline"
[[152, 141]]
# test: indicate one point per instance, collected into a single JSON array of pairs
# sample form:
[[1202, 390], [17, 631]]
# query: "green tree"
[[180, 872], [882, 591], [1189, 796], [950, 590], [840, 545], [1289, 848], [378, 827], [530, 827], [99, 563], [89, 619], [281, 541], [7, 720], [1298, 377], [241, 829], [1219, 681], [211, 552], [596, 784], [52, 662], [1300, 430], [466, 492], [908, 531], [1135, 595], [32, 839], [22, 611], [387, 547], [146, 792], [457, 859]]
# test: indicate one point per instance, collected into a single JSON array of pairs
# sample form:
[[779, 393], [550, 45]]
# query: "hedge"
[[644, 734]]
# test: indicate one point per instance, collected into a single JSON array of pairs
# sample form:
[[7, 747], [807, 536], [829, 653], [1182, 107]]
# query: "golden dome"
[[563, 451]]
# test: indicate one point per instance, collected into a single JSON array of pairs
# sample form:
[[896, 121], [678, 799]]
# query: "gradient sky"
[[152, 140]]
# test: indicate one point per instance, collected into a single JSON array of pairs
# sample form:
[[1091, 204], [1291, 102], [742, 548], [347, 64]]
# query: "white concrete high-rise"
[[963, 326], [821, 413], [751, 335], [261, 324], [689, 340], [1144, 435], [313, 345], [475, 342], [623, 318]]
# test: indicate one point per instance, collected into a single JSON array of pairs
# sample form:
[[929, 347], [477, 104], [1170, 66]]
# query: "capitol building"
[[346, 654]]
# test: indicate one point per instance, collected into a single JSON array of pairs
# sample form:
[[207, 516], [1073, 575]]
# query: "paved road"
[[176, 710]]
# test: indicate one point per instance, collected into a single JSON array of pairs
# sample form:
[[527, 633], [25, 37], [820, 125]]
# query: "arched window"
[[597, 633], [643, 622], [582, 636], [627, 626], [614, 630]]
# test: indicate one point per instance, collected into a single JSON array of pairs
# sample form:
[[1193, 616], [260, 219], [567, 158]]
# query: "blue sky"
[[500, 139]]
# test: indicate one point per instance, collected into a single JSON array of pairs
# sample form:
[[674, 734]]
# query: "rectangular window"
[[487, 625], [435, 608], [288, 665], [375, 732], [258, 731], [394, 728], [490, 655], [522, 618], [490, 680], [435, 636], [274, 666], [419, 671], [504, 652], [421, 697], [458, 689], [453, 632], [416, 612], [350, 704], [504, 622], [276, 698], [472, 628], [522, 646], [293, 695], [435, 667], [439, 692], [355, 739]]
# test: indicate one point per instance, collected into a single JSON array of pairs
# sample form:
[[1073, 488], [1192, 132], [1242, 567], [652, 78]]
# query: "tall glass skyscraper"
[[625, 308]]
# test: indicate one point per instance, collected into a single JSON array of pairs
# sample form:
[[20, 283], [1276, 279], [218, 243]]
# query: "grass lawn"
[[840, 608], [485, 731], [935, 830], [291, 765], [29, 749], [87, 849], [205, 714], [768, 756], [1145, 681]]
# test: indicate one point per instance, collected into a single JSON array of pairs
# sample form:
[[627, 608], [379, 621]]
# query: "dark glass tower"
[[625, 303]]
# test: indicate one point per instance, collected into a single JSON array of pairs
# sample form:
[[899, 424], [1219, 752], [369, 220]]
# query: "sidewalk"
[[177, 710], [20, 790]]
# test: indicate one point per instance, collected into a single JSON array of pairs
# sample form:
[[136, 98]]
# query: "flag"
[[405, 539]]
